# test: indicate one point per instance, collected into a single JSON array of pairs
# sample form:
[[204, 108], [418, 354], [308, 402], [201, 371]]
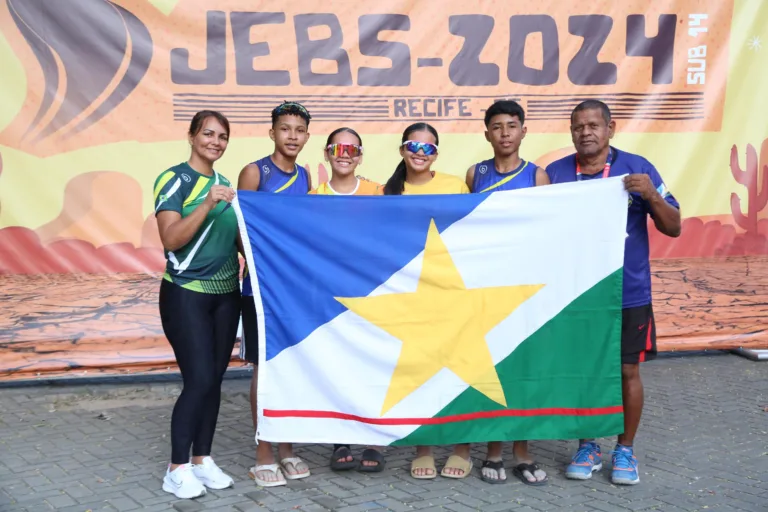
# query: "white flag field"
[[436, 320]]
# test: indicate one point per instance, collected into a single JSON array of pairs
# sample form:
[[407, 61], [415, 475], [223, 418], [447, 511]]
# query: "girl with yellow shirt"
[[344, 151], [414, 175]]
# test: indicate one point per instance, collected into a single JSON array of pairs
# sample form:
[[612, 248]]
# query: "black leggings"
[[201, 328]]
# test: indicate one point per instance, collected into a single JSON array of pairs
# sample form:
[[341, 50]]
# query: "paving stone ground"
[[703, 445]]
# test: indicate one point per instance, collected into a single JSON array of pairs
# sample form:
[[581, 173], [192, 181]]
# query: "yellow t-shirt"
[[364, 188], [439, 184]]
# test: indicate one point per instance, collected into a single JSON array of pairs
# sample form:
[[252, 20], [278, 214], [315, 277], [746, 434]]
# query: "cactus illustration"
[[757, 193], [322, 174]]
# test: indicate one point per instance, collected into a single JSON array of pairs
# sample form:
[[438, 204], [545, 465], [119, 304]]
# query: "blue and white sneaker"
[[624, 465], [587, 460]]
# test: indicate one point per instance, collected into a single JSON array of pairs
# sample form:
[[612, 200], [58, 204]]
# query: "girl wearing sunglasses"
[[344, 151], [413, 174]]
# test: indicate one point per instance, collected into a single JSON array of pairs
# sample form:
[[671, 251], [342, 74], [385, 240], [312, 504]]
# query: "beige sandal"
[[295, 461], [423, 462], [272, 468], [457, 462]]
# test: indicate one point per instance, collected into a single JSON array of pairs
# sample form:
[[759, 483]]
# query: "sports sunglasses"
[[290, 105], [337, 150], [414, 147]]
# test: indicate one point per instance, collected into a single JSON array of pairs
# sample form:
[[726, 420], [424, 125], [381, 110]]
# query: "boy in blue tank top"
[[591, 131], [277, 173], [505, 130]]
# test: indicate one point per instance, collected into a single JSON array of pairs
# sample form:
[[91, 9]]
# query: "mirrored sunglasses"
[[337, 150], [414, 147]]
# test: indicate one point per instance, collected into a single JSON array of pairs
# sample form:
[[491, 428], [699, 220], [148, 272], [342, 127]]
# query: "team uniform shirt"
[[637, 267], [439, 184], [208, 263], [363, 188], [274, 179], [488, 179]]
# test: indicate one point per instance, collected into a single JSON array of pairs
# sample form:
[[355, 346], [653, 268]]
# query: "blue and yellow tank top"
[[488, 179], [274, 179]]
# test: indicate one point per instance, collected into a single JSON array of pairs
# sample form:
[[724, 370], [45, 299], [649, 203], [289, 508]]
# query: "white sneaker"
[[183, 483], [211, 475]]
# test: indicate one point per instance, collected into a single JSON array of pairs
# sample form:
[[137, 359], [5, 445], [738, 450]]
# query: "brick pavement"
[[703, 445]]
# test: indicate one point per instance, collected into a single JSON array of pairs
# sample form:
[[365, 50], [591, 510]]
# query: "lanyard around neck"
[[606, 169]]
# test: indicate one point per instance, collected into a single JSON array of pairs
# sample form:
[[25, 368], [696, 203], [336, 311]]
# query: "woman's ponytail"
[[396, 183]]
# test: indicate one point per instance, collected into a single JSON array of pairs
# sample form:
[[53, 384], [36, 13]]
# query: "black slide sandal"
[[531, 468], [371, 455], [342, 451], [496, 465]]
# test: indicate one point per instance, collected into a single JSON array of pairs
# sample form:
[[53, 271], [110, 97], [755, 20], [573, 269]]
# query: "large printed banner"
[[96, 97], [379, 69]]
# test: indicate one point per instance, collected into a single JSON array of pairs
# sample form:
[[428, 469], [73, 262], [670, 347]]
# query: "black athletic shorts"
[[249, 344], [638, 335]]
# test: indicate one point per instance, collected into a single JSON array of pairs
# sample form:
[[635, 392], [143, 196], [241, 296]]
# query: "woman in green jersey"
[[199, 299]]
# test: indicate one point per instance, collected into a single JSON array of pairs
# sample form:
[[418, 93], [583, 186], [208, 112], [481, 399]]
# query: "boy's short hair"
[[291, 108], [510, 107]]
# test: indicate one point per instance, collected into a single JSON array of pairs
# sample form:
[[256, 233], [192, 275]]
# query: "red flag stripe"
[[552, 411]]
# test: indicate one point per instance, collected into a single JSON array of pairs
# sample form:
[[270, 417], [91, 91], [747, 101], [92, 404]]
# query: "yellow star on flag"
[[441, 325]]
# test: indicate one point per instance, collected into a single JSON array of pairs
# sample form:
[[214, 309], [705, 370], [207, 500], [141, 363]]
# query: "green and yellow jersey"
[[208, 263]]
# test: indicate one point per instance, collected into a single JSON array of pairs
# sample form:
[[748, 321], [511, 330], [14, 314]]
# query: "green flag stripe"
[[571, 362]]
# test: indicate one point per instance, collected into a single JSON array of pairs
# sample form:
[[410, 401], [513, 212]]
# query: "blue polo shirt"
[[637, 266]]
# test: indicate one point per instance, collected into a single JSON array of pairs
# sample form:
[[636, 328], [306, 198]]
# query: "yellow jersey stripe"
[[164, 179], [288, 183], [199, 186], [508, 178]]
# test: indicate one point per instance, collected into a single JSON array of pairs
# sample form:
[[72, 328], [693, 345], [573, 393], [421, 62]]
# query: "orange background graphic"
[[90, 116], [180, 46]]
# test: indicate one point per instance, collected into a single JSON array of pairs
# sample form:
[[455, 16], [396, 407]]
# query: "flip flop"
[[457, 462], [371, 455], [295, 461], [272, 468], [423, 462], [531, 468], [342, 451], [496, 465]]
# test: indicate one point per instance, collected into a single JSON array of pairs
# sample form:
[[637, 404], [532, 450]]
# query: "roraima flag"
[[406, 320]]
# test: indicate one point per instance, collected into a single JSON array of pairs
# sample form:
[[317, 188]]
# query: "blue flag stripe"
[[325, 246]]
